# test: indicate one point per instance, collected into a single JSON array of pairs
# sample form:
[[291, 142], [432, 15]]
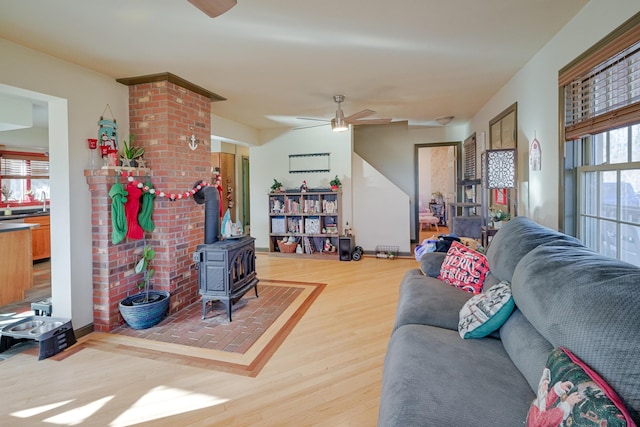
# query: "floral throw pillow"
[[572, 394], [464, 268], [486, 312]]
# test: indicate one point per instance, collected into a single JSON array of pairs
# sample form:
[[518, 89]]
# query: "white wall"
[[381, 210], [271, 160], [535, 88], [76, 99]]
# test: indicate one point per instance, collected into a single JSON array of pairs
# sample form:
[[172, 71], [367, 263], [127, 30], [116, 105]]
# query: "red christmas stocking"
[[131, 208]]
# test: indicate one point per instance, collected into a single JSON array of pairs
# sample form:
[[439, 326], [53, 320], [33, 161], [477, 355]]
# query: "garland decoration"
[[172, 196]]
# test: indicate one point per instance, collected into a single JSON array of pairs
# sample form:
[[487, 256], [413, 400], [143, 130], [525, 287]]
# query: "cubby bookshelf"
[[312, 218]]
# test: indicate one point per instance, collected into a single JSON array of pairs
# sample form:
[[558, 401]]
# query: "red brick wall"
[[162, 117]]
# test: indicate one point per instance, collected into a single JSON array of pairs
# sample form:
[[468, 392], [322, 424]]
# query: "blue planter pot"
[[143, 316]]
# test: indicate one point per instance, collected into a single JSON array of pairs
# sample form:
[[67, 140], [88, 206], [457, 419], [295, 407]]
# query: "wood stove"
[[226, 271]]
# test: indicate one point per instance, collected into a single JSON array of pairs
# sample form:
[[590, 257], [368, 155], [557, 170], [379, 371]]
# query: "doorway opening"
[[437, 169], [57, 270]]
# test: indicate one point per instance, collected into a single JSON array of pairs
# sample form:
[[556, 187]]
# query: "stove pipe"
[[211, 199]]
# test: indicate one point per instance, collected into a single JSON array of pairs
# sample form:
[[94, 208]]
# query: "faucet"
[[43, 196]]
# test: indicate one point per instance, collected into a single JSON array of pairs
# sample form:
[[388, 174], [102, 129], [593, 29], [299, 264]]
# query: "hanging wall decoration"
[[108, 131], [108, 138], [535, 155]]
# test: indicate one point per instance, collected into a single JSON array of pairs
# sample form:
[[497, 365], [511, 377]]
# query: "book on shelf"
[[308, 246], [329, 206], [294, 225]]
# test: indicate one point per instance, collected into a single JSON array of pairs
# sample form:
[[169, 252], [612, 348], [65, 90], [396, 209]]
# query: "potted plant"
[[498, 217], [148, 307], [335, 183], [130, 153], [276, 186]]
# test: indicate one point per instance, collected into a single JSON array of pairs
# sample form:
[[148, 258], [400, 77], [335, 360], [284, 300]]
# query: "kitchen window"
[[24, 178]]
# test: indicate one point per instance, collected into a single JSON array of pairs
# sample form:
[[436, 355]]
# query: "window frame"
[[28, 157]]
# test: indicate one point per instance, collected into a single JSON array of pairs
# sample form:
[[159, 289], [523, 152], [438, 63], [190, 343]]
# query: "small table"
[[487, 233]]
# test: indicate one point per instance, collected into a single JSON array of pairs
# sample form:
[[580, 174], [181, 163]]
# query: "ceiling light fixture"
[[213, 8], [338, 124], [444, 120]]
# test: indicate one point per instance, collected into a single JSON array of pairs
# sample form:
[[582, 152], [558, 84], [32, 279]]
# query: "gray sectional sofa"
[[565, 295]]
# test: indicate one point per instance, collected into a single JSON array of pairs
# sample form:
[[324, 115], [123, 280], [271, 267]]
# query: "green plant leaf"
[[141, 265]]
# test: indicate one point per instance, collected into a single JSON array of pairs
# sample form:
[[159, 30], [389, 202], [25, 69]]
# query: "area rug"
[[243, 346]]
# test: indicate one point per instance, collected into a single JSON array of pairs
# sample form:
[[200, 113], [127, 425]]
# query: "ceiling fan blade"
[[371, 122], [213, 8], [360, 114], [317, 120], [309, 127]]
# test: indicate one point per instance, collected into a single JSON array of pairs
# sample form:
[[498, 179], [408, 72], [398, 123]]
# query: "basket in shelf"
[[287, 248]]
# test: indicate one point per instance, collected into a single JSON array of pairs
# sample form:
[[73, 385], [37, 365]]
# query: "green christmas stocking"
[[118, 218], [146, 209]]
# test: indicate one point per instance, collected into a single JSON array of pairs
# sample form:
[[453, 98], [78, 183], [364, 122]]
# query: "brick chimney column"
[[164, 112]]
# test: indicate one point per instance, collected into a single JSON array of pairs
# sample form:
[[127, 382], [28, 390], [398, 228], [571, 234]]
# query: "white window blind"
[[11, 167], [601, 90]]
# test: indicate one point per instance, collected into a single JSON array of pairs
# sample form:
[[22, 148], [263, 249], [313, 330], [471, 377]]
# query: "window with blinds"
[[601, 89], [600, 93], [15, 168], [24, 178], [612, 86]]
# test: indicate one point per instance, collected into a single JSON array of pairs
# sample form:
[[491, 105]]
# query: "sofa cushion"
[[589, 304], [428, 301], [486, 312], [514, 240], [433, 378], [464, 268], [569, 393], [525, 346], [431, 262]]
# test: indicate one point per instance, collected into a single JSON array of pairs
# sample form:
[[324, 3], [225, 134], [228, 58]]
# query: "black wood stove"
[[226, 271], [226, 268]]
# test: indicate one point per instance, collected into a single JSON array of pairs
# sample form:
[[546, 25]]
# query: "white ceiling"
[[275, 60]]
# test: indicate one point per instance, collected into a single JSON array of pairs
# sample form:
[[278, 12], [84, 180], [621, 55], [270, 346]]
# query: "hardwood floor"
[[327, 372]]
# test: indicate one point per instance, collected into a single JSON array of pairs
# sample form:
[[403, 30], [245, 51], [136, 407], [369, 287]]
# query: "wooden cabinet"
[[16, 264], [40, 237], [313, 219]]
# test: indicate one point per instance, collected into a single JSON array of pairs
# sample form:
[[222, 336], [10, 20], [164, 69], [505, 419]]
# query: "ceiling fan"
[[340, 123], [213, 8]]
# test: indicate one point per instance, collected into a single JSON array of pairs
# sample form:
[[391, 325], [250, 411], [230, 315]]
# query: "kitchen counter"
[[24, 213], [15, 226]]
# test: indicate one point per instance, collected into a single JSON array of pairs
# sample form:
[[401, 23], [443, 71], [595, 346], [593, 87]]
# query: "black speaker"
[[345, 247]]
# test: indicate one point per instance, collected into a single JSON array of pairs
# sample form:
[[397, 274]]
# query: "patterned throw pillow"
[[486, 312], [464, 268], [571, 394]]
